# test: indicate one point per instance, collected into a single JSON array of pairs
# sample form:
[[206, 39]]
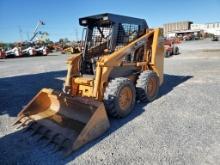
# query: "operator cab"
[[106, 33]]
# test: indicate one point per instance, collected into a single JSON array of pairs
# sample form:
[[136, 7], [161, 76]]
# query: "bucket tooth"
[[48, 143], [42, 130], [67, 152], [51, 139], [29, 126], [27, 121], [54, 136], [46, 133], [36, 130], [20, 126], [65, 142], [23, 122], [57, 140], [18, 120], [62, 144], [57, 149], [43, 133], [40, 138]]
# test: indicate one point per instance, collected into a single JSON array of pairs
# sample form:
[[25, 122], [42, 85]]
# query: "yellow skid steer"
[[121, 62]]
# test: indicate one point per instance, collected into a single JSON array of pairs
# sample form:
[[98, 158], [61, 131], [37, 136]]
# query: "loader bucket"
[[69, 122]]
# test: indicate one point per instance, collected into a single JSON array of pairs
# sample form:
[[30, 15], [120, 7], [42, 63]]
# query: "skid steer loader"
[[121, 62]]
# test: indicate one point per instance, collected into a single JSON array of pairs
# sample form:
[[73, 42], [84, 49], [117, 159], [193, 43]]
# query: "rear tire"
[[176, 50], [147, 86], [119, 97], [167, 54]]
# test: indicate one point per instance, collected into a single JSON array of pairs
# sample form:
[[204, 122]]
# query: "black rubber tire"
[[141, 86], [167, 54], [176, 50], [111, 97]]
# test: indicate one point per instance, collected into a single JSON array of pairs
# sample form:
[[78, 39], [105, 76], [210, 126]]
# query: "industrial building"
[[184, 28], [213, 28], [176, 26]]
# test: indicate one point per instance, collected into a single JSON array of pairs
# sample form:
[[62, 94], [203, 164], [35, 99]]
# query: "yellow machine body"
[[94, 86], [72, 119]]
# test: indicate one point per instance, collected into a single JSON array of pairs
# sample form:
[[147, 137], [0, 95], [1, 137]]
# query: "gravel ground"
[[182, 126]]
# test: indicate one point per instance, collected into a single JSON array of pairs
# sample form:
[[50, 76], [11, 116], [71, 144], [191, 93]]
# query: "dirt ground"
[[182, 126]]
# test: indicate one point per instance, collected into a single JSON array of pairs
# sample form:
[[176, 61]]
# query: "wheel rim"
[[151, 86], [125, 98]]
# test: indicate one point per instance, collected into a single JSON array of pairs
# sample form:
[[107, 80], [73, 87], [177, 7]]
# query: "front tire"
[[119, 97], [167, 54], [176, 50], [147, 86]]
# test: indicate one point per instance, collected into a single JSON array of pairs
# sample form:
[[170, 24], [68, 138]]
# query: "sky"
[[18, 18]]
